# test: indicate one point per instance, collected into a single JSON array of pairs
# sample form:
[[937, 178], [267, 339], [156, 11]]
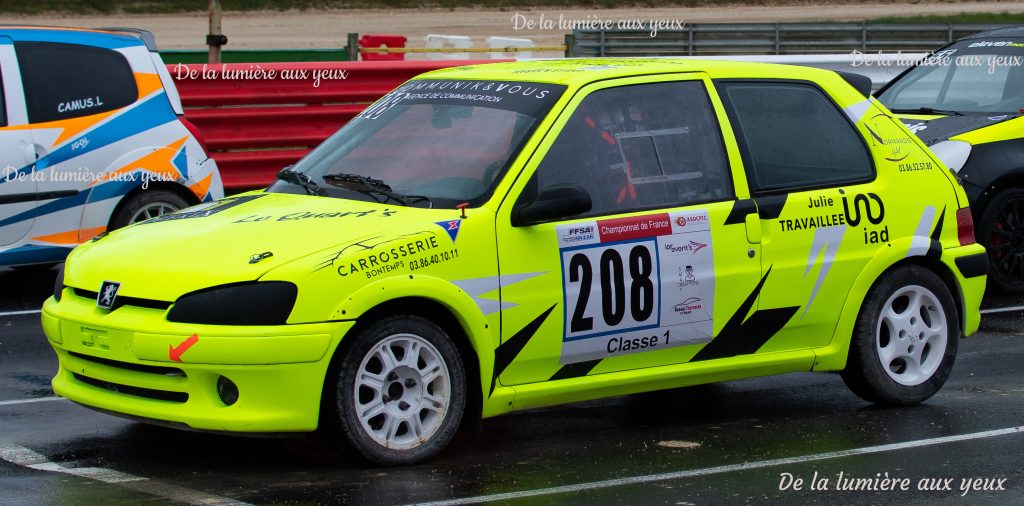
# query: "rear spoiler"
[[146, 35]]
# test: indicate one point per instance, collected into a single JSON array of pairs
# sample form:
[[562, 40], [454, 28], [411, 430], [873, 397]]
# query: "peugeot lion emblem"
[[108, 293]]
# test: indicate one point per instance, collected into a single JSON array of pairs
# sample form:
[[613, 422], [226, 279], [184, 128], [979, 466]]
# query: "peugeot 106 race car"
[[966, 101], [499, 237]]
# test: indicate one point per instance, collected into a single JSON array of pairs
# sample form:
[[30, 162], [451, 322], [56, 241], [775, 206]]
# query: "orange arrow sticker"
[[175, 352]]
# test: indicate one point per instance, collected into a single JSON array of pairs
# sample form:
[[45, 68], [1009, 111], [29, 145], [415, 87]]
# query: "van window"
[[65, 81]]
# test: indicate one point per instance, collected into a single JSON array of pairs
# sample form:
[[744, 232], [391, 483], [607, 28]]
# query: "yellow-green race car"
[[500, 237]]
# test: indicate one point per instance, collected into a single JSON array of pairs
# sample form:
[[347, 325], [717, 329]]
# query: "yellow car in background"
[[499, 237]]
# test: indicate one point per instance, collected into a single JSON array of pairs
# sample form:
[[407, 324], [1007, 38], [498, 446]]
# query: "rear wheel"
[[399, 392], [145, 205], [905, 339], [1002, 234]]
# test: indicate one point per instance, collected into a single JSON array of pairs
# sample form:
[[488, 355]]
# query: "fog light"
[[227, 391]]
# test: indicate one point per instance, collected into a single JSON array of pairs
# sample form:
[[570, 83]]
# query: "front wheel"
[[1001, 231], [905, 339], [145, 205], [399, 391]]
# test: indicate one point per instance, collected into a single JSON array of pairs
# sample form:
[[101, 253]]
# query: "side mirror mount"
[[553, 203]]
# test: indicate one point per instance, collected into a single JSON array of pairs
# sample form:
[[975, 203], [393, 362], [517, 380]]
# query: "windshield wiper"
[[928, 110], [303, 181], [373, 187]]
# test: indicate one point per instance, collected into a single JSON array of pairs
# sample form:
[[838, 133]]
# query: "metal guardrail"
[[173, 56], [769, 38]]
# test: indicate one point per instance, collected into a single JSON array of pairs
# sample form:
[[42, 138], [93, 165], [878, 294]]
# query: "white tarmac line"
[[1002, 309], [29, 401], [635, 480], [16, 313], [19, 455]]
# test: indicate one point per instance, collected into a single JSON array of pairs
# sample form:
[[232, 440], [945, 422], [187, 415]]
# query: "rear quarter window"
[[793, 137], [65, 81]]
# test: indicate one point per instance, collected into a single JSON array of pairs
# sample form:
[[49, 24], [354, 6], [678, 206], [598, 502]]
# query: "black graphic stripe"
[[575, 370], [771, 207], [509, 350], [739, 337], [740, 210], [935, 247]]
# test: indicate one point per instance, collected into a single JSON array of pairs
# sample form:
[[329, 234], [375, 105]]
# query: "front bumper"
[[108, 363]]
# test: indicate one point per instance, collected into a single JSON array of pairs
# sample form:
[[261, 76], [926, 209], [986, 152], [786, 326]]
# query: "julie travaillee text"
[[882, 482], [257, 72]]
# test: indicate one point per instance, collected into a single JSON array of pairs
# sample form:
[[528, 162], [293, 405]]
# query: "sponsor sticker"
[[636, 284]]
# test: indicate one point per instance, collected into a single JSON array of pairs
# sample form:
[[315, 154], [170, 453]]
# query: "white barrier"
[[433, 41], [503, 42]]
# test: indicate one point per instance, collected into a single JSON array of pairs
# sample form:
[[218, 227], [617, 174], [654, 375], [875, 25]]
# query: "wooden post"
[[215, 39]]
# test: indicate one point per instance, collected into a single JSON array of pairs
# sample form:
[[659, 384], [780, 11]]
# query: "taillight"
[[965, 226], [195, 133]]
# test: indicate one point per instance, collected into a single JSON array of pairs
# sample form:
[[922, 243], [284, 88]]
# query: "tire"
[[900, 355], [1002, 233], [377, 394], [145, 205]]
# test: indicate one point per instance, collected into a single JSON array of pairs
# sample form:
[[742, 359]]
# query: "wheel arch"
[[833, 356], [1008, 180], [441, 303], [175, 188]]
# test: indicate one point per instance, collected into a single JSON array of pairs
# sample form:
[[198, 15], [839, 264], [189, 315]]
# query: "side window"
[[792, 136], [67, 80], [640, 147]]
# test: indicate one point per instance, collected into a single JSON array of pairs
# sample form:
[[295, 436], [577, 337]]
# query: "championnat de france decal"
[[636, 284]]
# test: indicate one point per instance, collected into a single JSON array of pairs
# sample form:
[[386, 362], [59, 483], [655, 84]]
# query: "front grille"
[[148, 393], [151, 369], [120, 301]]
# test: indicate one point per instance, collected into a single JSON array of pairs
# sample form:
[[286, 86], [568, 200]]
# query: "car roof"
[[109, 38], [579, 71], [1013, 31]]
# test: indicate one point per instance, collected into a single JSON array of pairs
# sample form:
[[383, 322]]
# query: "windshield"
[[444, 142], [979, 76]]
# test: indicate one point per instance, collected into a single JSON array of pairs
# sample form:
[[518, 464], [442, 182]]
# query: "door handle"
[[752, 222]]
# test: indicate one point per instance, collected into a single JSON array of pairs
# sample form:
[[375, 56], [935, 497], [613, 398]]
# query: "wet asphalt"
[[728, 443]]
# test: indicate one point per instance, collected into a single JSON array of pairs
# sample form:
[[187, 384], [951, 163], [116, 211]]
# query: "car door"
[[662, 258], [18, 187], [812, 176]]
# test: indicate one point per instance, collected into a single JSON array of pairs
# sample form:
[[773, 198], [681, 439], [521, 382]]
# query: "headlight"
[[254, 303], [953, 154], [58, 284]]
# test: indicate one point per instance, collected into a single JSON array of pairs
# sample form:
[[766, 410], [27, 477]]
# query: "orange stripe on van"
[[71, 237], [159, 162], [202, 187]]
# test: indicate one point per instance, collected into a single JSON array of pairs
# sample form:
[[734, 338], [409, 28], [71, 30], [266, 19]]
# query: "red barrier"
[[256, 118], [376, 41]]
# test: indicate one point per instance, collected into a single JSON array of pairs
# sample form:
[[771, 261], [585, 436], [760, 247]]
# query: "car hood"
[[231, 240], [935, 129]]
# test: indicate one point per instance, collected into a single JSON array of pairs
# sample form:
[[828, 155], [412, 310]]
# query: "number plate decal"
[[636, 284]]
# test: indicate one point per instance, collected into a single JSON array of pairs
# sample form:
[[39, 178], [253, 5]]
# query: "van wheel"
[[145, 205], [905, 339], [1002, 233], [399, 391]]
